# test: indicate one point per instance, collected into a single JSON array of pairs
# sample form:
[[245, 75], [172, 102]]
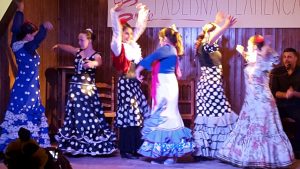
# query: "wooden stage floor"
[[115, 162]]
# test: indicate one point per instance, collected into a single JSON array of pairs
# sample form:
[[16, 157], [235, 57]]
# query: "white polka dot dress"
[[25, 108], [214, 116], [85, 130]]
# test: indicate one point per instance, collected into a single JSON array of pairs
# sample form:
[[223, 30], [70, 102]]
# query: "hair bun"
[[90, 30]]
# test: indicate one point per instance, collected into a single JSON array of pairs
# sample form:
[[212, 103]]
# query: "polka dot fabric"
[[210, 96], [25, 108], [132, 103], [85, 130], [214, 116]]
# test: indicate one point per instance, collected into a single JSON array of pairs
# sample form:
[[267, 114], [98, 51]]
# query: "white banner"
[[195, 13], [4, 4]]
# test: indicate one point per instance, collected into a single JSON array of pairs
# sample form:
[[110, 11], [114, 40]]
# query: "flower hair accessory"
[[123, 21], [173, 26], [90, 30], [258, 39]]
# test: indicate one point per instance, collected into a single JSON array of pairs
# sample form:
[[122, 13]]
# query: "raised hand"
[[118, 7], [48, 25], [140, 6], [229, 21], [240, 49], [20, 5]]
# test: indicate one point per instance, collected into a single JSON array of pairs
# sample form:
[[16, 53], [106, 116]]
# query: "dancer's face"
[[127, 35], [83, 41], [30, 36], [289, 59]]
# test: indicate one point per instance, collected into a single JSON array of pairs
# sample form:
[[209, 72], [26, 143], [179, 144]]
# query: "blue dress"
[[25, 108]]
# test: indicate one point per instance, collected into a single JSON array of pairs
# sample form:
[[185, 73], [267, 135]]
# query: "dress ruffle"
[[164, 142], [33, 120], [103, 143], [173, 143], [209, 139], [271, 151], [212, 121]]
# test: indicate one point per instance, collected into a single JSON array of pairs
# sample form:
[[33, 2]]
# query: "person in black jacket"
[[285, 86]]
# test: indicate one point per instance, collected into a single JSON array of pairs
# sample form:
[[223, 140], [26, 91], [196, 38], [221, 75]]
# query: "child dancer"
[[166, 137]]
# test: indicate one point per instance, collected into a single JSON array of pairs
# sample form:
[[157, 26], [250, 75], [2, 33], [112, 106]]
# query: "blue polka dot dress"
[[25, 108], [85, 130]]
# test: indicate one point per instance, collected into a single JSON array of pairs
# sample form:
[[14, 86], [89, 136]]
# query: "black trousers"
[[293, 113]]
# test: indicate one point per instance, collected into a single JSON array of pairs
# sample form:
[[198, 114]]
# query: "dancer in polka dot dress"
[[85, 130], [214, 116], [131, 103], [25, 108]]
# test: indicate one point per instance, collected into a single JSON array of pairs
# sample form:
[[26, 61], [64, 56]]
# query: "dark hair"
[[294, 51], [26, 28], [89, 34], [291, 50], [24, 134], [174, 37], [204, 31]]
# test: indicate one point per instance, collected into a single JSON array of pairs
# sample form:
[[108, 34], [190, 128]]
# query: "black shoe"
[[201, 158], [128, 156], [137, 155]]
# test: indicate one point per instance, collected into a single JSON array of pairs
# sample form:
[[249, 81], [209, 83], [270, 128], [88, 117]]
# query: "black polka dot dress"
[[132, 103], [85, 130], [214, 116]]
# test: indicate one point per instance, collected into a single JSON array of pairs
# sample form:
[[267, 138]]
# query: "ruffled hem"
[[167, 143], [168, 136], [257, 150], [212, 121], [210, 139], [85, 146], [13, 122], [83, 152]]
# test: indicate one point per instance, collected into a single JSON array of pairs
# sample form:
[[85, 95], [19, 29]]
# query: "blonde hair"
[[174, 37]]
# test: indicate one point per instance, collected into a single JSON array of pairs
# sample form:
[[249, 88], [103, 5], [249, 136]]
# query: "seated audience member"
[[25, 152], [285, 86]]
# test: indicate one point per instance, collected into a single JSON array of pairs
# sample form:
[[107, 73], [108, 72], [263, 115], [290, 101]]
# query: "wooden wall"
[[72, 16]]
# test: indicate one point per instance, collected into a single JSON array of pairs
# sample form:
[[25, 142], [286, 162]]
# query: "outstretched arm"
[[215, 35], [141, 21], [116, 40], [66, 48]]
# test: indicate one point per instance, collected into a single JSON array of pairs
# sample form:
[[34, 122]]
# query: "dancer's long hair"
[[174, 37]]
